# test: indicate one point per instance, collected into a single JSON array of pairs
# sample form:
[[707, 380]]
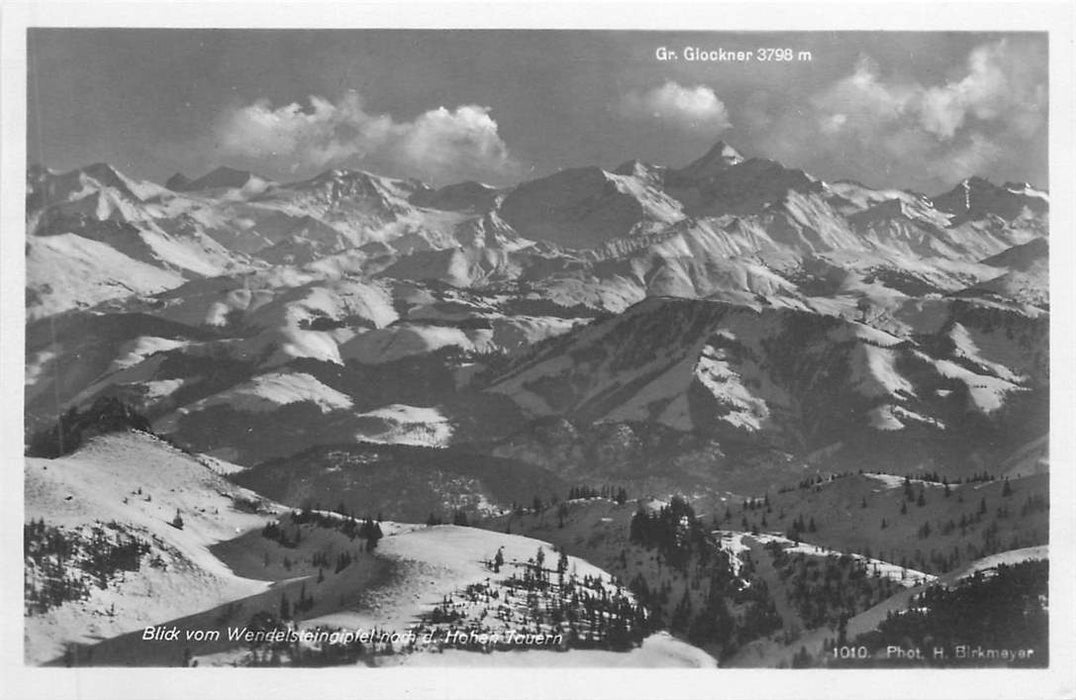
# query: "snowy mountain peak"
[[977, 197], [344, 182], [88, 184], [107, 176], [726, 152], [719, 158], [220, 178]]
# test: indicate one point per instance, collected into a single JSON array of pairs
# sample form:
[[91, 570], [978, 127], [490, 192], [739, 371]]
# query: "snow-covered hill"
[[134, 485], [128, 532]]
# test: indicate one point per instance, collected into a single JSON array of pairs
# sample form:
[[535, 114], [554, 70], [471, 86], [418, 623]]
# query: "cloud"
[[696, 108], [982, 113], [440, 145], [996, 88]]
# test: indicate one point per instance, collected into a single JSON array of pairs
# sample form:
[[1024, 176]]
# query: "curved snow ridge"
[[140, 483], [893, 481], [986, 394], [659, 650], [134, 351], [409, 425], [876, 567], [267, 392], [854, 331], [67, 271], [989, 564], [511, 334], [396, 342], [874, 372], [892, 417], [967, 348], [439, 561]]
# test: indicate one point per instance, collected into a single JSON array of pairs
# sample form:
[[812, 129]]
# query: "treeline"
[[817, 480], [717, 606], [673, 530], [828, 590], [74, 427], [324, 323], [459, 517], [63, 565], [618, 494], [320, 654], [1005, 609], [367, 529], [542, 597], [929, 476]]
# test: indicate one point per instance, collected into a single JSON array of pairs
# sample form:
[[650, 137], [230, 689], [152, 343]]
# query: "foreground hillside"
[[806, 570], [128, 532], [121, 494]]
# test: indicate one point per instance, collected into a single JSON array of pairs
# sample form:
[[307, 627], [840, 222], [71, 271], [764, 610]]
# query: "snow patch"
[[409, 425], [267, 392]]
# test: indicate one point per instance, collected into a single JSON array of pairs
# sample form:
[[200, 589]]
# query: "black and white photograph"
[[431, 349]]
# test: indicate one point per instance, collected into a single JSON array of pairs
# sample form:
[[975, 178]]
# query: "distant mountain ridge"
[[717, 210]]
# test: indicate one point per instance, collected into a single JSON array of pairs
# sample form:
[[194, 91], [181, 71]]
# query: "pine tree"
[[285, 608]]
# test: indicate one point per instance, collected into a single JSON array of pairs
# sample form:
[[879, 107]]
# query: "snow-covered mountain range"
[[733, 297], [718, 329], [721, 224]]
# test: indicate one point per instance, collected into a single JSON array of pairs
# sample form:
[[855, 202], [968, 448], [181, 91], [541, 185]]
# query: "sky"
[[919, 110]]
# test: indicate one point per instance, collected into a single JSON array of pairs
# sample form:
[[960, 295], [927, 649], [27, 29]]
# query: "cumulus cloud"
[[441, 145], [696, 108], [958, 127]]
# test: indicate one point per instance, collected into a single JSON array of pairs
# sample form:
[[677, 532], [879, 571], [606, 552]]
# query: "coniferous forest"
[[1004, 610]]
